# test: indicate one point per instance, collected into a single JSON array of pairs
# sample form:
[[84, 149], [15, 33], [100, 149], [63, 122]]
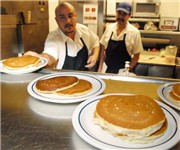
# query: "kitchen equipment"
[[146, 8], [170, 53], [171, 50], [150, 26], [21, 18], [28, 17], [9, 47]]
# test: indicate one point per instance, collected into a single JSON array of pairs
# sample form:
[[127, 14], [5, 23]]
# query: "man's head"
[[123, 12], [66, 18]]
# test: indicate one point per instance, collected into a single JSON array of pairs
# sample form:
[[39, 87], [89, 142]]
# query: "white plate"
[[163, 92], [93, 134], [97, 83], [23, 71]]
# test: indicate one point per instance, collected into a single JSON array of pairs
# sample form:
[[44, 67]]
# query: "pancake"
[[21, 62], [175, 94], [147, 139], [81, 88], [54, 84], [132, 116]]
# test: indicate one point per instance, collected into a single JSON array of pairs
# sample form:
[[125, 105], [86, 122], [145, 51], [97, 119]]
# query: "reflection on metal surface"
[[19, 78], [79, 144], [117, 77], [28, 123], [51, 110], [135, 79]]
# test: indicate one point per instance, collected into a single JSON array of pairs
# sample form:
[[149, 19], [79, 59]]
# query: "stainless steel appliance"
[[146, 8], [14, 21], [8, 42]]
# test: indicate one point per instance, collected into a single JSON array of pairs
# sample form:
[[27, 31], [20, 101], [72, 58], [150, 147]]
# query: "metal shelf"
[[160, 32], [144, 19], [113, 19]]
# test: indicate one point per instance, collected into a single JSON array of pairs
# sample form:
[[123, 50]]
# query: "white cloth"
[[132, 41], [55, 43]]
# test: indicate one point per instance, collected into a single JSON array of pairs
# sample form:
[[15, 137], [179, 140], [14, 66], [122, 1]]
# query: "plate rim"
[[44, 62], [64, 101], [164, 99], [93, 142]]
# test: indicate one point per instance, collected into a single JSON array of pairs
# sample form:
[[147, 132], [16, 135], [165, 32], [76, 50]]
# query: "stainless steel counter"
[[28, 123]]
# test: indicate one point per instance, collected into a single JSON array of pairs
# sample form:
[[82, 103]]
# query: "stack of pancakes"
[[133, 118], [22, 62], [175, 94], [64, 85]]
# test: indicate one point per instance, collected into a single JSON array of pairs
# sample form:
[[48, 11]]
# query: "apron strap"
[[82, 41], [66, 48], [111, 35], [124, 37]]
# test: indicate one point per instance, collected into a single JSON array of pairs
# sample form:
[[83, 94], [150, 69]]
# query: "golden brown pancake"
[[132, 117], [81, 88], [147, 139], [174, 94], [51, 85], [130, 111], [161, 130], [22, 62]]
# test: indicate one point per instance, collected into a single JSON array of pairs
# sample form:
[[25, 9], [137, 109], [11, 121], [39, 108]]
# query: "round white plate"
[[93, 134], [97, 83], [163, 92], [23, 71]]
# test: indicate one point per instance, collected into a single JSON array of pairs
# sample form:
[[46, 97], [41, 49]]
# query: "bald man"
[[72, 45]]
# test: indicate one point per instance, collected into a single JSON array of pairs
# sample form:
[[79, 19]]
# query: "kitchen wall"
[[169, 9], [172, 5], [43, 17], [31, 35], [52, 22], [79, 4]]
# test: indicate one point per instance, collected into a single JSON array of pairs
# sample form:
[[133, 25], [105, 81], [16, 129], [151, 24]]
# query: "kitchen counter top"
[[178, 61], [155, 58], [28, 123]]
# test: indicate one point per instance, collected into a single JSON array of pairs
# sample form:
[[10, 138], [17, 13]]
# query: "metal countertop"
[[28, 123]]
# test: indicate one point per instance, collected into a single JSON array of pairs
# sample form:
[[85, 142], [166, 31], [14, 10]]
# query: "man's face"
[[66, 19], [122, 17]]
